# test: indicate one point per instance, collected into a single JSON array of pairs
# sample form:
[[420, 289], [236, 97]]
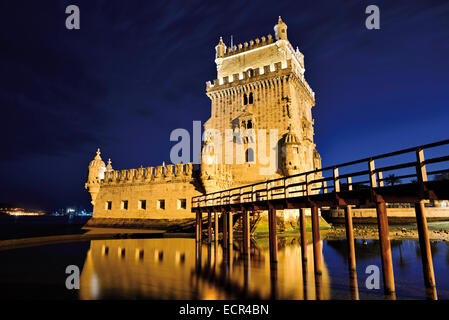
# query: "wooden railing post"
[[336, 180], [372, 174], [268, 191], [253, 193], [308, 187], [285, 188], [380, 179], [421, 172]]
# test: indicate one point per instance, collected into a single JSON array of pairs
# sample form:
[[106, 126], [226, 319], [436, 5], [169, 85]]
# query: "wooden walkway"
[[400, 177]]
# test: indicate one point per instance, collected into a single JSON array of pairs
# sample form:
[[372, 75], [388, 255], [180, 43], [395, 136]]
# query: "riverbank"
[[437, 231]]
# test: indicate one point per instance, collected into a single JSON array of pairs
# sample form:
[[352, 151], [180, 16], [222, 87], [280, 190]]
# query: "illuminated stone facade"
[[260, 85]]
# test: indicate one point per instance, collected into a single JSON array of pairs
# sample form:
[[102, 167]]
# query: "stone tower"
[[260, 86]]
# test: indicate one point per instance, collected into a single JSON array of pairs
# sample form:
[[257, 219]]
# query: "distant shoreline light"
[[22, 212]]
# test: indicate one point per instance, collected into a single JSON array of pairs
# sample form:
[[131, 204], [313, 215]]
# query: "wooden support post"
[[302, 228], [272, 233], [197, 233], [385, 248], [230, 228], [198, 225], [246, 231], [216, 226], [225, 229], [350, 238], [353, 286], [316, 240], [424, 244], [209, 226], [421, 220]]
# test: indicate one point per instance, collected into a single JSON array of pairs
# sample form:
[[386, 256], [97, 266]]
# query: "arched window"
[[245, 99], [250, 98], [249, 155], [243, 124], [250, 124]]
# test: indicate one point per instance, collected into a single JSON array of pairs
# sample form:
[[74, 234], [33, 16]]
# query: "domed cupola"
[[290, 138], [97, 168], [290, 153]]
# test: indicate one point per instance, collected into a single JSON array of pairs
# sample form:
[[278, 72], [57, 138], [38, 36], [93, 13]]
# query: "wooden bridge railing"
[[359, 174]]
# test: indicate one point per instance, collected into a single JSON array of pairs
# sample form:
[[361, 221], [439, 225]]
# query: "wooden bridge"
[[349, 184]]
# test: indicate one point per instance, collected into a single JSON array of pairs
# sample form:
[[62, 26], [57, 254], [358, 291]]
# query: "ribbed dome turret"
[[290, 137], [97, 162]]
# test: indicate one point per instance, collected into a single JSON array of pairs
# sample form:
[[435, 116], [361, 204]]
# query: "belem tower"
[[260, 85]]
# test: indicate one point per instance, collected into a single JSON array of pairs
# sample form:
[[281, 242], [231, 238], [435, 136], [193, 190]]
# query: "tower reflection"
[[184, 269]]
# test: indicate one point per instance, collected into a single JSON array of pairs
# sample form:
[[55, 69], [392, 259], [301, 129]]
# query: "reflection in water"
[[182, 269]]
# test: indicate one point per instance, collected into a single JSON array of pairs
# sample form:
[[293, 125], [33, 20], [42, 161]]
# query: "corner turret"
[[290, 152], [280, 30], [97, 168], [220, 49]]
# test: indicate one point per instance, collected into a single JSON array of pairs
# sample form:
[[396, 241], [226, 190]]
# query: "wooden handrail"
[[267, 189]]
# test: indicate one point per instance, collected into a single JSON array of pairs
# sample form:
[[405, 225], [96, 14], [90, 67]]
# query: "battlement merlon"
[[259, 74], [156, 174]]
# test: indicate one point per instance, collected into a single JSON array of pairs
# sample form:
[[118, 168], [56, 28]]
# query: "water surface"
[[179, 269]]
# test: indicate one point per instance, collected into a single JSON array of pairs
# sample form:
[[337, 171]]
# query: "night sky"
[[136, 70]]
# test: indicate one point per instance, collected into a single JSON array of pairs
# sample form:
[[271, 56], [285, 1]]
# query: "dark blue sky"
[[137, 70]]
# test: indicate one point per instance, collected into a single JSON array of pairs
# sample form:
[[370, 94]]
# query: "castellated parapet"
[[159, 174], [262, 76]]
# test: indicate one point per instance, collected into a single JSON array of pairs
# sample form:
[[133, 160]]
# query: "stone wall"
[[152, 185]]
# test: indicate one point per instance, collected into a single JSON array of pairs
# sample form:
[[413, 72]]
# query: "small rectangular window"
[[125, 204], [108, 205], [182, 204], [161, 204], [143, 204]]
